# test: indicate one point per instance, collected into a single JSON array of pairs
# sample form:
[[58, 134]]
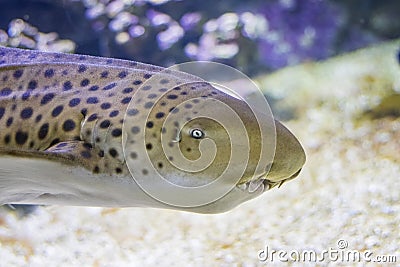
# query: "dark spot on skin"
[[172, 96], [84, 112], [94, 88], [32, 84], [2, 110], [116, 132], [47, 98], [85, 82], [31, 144], [149, 124], [57, 110], [49, 73], [159, 115], [5, 92], [132, 112], [92, 100], [188, 106], [118, 170], [133, 155], [38, 118], [152, 96], [13, 107], [174, 110], [105, 106], [188, 149], [21, 137], [82, 57], [26, 95], [101, 154], [114, 113], [164, 81], [9, 121], [163, 89], [43, 131], [127, 90], [113, 152], [105, 124], [149, 146], [135, 129], [183, 93], [67, 86], [145, 172], [17, 74], [146, 87], [55, 141], [26, 113], [160, 165], [177, 88], [86, 154], [82, 68], [92, 117], [148, 104], [87, 145], [147, 76], [109, 86], [126, 100], [96, 169], [195, 101], [137, 82], [7, 139], [69, 125], [74, 102], [122, 74], [104, 74]]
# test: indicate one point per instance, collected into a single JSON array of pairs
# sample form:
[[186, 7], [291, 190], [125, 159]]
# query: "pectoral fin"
[[72, 153]]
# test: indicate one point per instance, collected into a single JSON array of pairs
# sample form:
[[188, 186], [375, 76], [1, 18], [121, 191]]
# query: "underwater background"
[[343, 105], [255, 36]]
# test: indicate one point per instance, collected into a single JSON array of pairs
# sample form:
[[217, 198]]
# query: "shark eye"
[[196, 133]]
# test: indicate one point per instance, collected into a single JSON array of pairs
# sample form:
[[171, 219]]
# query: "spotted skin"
[[70, 109]]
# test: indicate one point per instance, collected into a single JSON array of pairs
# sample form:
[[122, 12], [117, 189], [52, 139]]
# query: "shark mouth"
[[255, 186], [261, 185]]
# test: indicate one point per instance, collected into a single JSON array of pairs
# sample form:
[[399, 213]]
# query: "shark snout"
[[289, 156]]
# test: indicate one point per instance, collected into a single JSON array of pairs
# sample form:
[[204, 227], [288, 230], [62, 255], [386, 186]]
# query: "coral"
[[254, 36], [22, 34]]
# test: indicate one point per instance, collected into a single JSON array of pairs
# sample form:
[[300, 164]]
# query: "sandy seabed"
[[346, 199]]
